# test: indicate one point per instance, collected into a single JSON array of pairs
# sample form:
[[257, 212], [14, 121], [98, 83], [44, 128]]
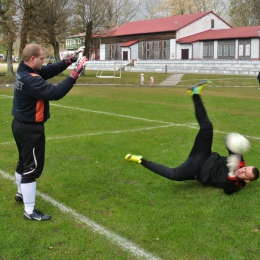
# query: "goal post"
[[116, 71]]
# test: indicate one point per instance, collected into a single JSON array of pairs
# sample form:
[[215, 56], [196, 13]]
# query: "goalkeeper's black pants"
[[30, 142], [189, 170]]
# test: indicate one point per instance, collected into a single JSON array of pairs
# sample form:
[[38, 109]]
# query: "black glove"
[[71, 59], [79, 67]]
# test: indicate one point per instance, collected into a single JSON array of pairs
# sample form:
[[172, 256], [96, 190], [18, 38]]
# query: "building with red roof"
[[192, 36]]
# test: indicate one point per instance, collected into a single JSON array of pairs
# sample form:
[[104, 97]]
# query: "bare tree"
[[90, 16], [244, 13], [29, 29], [54, 23], [118, 12], [149, 10], [181, 7], [9, 28]]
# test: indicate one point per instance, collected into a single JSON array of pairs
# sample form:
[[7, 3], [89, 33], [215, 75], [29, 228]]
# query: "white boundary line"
[[114, 238], [113, 114], [192, 125], [99, 133]]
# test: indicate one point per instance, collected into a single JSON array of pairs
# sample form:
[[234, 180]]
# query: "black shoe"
[[19, 197], [36, 215]]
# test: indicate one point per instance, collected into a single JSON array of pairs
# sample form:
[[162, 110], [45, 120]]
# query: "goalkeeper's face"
[[245, 173]]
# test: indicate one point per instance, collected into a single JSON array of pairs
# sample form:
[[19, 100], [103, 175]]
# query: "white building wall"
[[134, 51], [198, 26], [215, 56], [172, 49], [197, 50], [202, 25], [102, 54], [181, 47], [236, 49], [127, 49]]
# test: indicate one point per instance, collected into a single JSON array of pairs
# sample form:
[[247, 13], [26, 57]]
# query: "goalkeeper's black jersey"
[[214, 172]]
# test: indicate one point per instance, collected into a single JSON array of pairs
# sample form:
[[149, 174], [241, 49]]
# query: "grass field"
[[105, 208]]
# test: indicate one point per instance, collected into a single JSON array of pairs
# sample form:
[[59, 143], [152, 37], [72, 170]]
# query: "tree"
[[180, 7], [244, 12], [29, 29], [44, 22], [55, 24], [90, 16], [118, 12], [149, 10], [9, 28]]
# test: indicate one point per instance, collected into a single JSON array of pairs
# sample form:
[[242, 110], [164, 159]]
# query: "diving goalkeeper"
[[209, 168]]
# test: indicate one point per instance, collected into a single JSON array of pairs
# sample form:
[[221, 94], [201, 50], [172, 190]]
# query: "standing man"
[[30, 111], [202, 164]]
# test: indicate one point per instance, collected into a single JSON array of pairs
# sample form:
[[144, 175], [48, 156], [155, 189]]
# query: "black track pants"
[[190, 169], [30, 141]]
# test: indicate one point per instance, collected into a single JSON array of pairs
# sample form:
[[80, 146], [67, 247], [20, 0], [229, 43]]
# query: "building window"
[[111, 51], [205, 51], [220, 49], [143, 49], [232, 50], [247, 50], [211, 50], [212, 23], [162, 49], [147, 55], [226, 48], [240, 50]]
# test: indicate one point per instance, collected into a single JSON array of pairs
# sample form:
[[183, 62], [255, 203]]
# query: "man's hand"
[[232, 164], [71, 59], [79, 67]]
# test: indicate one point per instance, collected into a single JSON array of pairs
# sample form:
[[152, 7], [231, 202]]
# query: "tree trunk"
[[88, 41], [10, 70]]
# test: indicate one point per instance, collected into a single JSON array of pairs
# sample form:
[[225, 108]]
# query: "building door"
[[185, 54], [125, 55]]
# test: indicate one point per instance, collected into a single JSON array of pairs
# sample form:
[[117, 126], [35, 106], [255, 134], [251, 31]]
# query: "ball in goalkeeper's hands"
[[237, 143]]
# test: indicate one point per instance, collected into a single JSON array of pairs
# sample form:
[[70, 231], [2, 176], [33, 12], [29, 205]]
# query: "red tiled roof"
[[127, 44], [230, 33], [173, 23]]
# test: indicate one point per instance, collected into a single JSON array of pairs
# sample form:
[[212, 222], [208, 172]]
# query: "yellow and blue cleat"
[[198, 88], [133, 158]]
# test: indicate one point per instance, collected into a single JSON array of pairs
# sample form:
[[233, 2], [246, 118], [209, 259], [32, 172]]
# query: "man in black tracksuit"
[[202, 164], [30, 111]]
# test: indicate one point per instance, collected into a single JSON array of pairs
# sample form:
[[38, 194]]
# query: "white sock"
[[18, 178], [29, 195]]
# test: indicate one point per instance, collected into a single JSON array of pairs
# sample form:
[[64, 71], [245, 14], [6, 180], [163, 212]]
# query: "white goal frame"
[[117, 68]]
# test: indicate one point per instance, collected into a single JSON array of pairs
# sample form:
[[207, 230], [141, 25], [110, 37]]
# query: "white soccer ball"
[[237, 143]]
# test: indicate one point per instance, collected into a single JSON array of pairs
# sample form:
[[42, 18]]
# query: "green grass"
[[89, 133]]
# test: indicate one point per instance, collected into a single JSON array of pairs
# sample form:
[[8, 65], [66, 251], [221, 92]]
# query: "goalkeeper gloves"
[[232, 164], [71, 59], [79, 67]]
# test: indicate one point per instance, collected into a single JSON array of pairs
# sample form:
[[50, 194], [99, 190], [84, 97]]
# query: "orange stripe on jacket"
[[39, 115]]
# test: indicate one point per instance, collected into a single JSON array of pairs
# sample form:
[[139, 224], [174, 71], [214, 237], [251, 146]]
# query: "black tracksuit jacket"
[[32, 92]]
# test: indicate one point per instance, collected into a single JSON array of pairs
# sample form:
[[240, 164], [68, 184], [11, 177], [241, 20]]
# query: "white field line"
[[191, 125], [5, 96], [112, 114], [100, 133], [114, 238]]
